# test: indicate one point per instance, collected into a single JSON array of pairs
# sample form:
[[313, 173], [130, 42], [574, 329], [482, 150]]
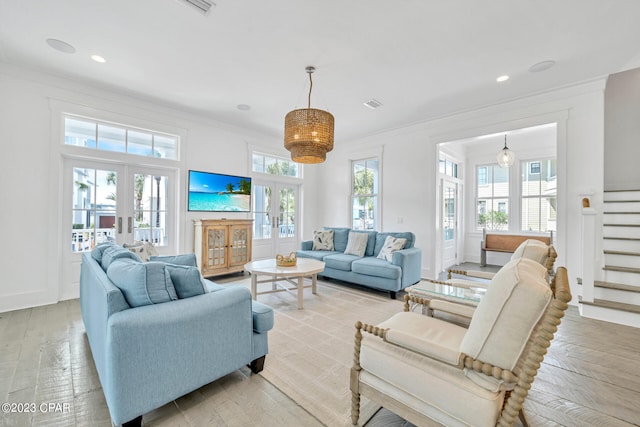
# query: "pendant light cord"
[[310, 87]]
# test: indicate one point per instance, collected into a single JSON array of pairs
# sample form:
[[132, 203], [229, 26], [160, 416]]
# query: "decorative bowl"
[[286, 261]]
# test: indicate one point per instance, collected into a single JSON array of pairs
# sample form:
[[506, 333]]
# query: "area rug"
[[311, 350]]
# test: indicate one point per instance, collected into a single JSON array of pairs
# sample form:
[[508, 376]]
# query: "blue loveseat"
[[402, 271], [149, 355]]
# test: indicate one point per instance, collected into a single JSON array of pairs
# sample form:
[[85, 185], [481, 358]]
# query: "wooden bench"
[[507, 242]]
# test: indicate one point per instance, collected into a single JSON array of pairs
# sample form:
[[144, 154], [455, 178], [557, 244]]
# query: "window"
[[534, 167], [94, 208], [492, 192], [448, 167], [364, 194], [272, 165], [482, 175], [539, 195], [98, 135]]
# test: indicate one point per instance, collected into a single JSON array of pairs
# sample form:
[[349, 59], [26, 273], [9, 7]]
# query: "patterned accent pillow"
[[143, 249], [323, 240], [391, 244], [357, 244]]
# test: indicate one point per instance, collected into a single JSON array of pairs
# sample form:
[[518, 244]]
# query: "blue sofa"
[[404, 269], [149, 355]]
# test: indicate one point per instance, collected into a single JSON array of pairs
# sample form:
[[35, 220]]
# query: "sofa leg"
[[392, 294], [136, 422], [257, 365]]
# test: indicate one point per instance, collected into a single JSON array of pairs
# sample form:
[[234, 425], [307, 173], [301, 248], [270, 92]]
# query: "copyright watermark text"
[[32, 407]]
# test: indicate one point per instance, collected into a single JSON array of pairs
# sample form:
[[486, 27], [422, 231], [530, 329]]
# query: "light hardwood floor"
[[590, 377]]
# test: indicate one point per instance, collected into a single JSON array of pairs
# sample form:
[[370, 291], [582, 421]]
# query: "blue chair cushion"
[[262, 317], [319, 255], [340, 261], [210, 286], [183, 259], [186, 280], [116, 252], [142, 283], [376, 267]]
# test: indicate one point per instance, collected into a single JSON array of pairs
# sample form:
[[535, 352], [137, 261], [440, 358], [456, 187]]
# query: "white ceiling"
[[421, 58]]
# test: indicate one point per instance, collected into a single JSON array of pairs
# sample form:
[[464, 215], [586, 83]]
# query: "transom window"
[[272, 165], [365, 197], [99, 135], [448, 167]]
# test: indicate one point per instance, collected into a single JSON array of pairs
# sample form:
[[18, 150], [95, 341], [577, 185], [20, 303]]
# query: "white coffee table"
[[305, 267]]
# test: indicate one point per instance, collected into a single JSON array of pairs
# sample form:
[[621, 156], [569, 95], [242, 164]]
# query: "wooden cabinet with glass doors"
[[222, 246]]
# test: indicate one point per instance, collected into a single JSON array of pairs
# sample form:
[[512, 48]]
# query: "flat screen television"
[[214, 192]]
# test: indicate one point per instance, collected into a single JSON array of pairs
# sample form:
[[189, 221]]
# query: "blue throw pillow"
[[184, 259], [186, 280], [340, 237], [97, 252], [116, 252], [142, 283]]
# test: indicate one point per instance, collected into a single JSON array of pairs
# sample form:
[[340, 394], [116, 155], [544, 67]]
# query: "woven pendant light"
[[308, 132]]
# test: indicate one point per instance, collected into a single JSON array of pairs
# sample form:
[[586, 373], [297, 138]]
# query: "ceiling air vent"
[[373, 104], [202, 5]]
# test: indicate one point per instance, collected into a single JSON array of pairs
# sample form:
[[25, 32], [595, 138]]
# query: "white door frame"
[[447, 245], [69, 272]]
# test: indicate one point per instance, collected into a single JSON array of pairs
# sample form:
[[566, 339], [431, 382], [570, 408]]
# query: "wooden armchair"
[[425, 369]]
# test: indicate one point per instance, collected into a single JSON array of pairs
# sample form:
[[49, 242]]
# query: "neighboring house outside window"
[[535, 196], [492, 197], [539, 195]]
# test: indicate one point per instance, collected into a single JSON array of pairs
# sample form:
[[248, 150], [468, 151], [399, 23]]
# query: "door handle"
[[119, 225], [129, 225]]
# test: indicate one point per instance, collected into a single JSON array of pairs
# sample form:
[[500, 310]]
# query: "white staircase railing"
[[588, 252]]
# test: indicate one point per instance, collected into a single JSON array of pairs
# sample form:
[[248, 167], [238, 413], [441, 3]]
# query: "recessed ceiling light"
[[61, 46], [243, 107], [502, 78], [542, 66], [98, 58]]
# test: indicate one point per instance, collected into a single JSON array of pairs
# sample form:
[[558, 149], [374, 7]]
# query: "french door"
[[276, 215], [449, 224], [114, 202]]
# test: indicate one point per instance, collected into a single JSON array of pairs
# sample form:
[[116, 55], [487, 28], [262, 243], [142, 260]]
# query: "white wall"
[[622, 103], [30, 166], [30, 217], [410, 166]]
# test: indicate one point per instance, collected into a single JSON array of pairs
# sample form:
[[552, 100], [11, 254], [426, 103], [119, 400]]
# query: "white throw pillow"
[[532, 249], [357, 243], [323, 240], [391, 244]]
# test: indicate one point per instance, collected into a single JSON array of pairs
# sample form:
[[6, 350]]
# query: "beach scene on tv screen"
[[214, 192]]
